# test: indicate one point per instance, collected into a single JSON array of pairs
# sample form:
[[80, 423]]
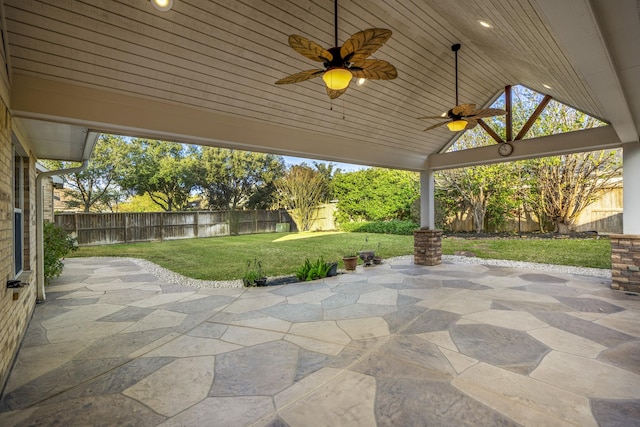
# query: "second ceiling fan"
[[341, 64], [462, 116]]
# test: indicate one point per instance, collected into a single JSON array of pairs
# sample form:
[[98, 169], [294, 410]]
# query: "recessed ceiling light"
[[361, 81], [162, 5], [485, 24], [546, 85]]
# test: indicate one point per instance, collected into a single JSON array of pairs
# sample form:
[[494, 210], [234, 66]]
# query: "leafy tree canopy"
[[231, 179], [95, 188], [166, 171]]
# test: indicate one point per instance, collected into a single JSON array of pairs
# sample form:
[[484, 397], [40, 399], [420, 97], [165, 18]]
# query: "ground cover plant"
[[224, 258]]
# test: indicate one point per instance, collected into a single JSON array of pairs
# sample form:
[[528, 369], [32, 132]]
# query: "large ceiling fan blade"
[[374, 69], [471, 123], [309, 49], [300, 77], [333, 94], [487, 112], [436, 125], [463, 110], [364, 43]]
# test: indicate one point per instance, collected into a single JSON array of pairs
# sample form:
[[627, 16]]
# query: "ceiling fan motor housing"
[[337, 61]]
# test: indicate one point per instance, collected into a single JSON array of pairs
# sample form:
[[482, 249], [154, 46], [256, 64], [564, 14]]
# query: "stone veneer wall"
[[625, 262], [427, 247], [14, 313]]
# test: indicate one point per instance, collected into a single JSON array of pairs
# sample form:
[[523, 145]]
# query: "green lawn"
[[224, 258]]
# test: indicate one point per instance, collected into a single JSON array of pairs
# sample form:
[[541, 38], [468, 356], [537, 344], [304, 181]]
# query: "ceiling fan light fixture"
[[457, 125], [162, 5], [337, 78]]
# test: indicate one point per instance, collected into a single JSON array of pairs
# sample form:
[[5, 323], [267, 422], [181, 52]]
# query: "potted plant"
[[254, 276], [367, 256], [350, 261]]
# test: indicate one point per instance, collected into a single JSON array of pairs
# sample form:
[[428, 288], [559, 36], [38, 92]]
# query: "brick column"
[[625, 262], [427, 247]]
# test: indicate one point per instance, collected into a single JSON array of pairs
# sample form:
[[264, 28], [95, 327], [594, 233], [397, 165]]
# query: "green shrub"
[[253, 273], [381, 227], [57, 245], [313, 270]]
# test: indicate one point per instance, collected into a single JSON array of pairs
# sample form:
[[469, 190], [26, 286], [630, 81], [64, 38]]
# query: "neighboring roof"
[[204, 72]]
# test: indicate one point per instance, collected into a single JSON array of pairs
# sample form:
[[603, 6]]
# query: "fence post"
[[195, 225], [75, 226], [161, 226], [126, 227]]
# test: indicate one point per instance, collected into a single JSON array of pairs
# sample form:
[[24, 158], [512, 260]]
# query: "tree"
[[139, 203], [95, 188], [300, 191], [375, 194], [565, 185], [328, 171], [231, 179], [483, 188], [166, 171]]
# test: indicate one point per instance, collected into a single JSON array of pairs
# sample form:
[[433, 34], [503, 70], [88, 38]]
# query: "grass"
[[595, 253], [225, 258]]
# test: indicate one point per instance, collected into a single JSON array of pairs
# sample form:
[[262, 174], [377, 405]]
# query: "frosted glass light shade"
[[457, 125], [337, 78], [162, 5]]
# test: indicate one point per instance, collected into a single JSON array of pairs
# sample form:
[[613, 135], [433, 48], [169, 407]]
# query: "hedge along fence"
[[130, 227]]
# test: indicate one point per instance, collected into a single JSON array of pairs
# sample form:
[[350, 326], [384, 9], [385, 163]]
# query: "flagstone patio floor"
[[389, 345]]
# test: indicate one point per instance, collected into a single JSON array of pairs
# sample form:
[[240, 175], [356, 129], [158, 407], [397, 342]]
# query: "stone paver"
[[389, 345]]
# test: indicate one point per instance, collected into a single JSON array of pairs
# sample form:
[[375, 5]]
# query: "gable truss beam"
[[490, 131], [534, 116], [601, 138], [509, 118]]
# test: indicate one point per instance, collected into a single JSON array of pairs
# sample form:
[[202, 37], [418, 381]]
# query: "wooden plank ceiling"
[[222, 58]]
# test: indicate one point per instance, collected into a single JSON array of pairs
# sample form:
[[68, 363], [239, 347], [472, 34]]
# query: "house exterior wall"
[[48, 195], [16, 306]]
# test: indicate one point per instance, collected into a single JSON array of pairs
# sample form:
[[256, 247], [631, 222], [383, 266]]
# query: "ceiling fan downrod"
[[335, 15], [455, 48]]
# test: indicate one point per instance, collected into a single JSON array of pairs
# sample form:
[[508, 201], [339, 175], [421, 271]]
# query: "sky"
[[346, 167]]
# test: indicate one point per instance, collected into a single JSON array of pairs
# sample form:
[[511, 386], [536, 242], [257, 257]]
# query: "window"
[[18, 220]]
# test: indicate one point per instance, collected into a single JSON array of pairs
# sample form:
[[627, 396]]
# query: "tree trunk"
[[564, 227]]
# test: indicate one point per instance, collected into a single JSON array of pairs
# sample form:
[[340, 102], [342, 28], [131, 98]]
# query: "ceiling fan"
[[343, 63], [462, 116]]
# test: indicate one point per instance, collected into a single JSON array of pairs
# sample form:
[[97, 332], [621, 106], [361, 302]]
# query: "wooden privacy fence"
[[603, 216], [129, 227]]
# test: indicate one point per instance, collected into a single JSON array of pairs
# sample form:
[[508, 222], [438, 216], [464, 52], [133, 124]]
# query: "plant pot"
[[350, 262], [377, 260], [333, 270], [367, 256]]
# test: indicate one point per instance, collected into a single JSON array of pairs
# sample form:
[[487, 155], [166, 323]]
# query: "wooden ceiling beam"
[[490, 131], [534, 116], [508, 118]]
